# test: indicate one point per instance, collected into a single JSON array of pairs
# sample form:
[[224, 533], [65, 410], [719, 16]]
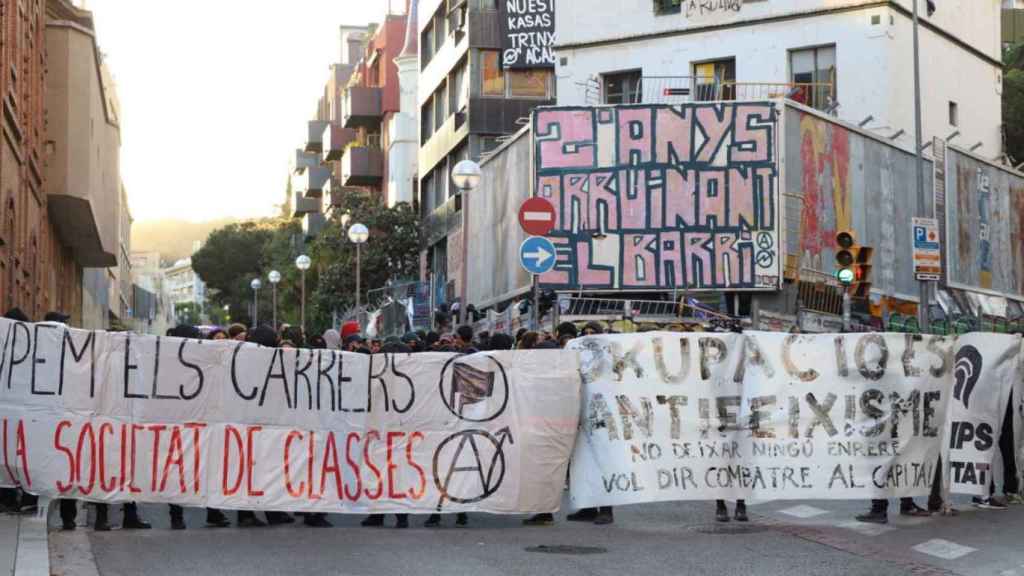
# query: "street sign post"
[[927, 249], [537, 216], [537, 255]]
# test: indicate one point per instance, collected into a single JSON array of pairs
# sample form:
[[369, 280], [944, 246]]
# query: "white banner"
[[116, 416], [669, 416], [986, 368]]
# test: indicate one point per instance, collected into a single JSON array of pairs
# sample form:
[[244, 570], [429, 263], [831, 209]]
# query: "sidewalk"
[[8, 543], [23, 546]]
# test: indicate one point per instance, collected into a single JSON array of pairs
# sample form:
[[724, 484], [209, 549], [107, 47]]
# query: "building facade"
[[852, 58], [183, 286], [468, 104]]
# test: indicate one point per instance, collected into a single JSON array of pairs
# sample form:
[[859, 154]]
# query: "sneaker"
[[135, 524], [604, 516], [741, 513], [539, 520], [914, 510], [991, 503], [1014, 499], [433, 522], [29, 509], [461, 519], [67, 526], [177, 524], [721, 512], [217, 520], [873, 517]]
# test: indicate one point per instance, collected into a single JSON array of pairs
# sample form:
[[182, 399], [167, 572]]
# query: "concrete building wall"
[[960, 52]]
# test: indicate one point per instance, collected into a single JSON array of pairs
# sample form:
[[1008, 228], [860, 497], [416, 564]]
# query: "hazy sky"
[[215, 95]]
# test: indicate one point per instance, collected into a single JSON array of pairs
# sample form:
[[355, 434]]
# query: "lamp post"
[[255, 285], [358, 234], [302, 263], [274, 278], [923, 288], [466, 177]]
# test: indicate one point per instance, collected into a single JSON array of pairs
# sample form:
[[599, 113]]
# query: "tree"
[[187, 313], [391, 253], [1013, 101]]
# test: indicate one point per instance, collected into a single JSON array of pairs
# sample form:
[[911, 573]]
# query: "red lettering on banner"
[[353, 496], [295, 493], [92, 457], [106, 428], [175, 457], [156, 429], [414, 494], [22, 452], [196, 428], [369, 463], [312, 494], [392, 467], [330, 466], [124, 447], [134, 462], [230, 432], [250, 433], [62, 487]]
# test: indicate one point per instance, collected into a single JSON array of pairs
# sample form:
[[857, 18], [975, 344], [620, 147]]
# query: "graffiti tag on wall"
[[661, 197]]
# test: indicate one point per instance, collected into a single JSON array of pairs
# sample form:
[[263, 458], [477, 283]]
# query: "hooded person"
[[332, 339]]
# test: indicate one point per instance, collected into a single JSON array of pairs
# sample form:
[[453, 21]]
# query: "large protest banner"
[[116, 416], [986, 368], [670, 416]]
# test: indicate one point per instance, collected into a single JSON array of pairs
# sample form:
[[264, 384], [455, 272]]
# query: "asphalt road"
[[790, 538]]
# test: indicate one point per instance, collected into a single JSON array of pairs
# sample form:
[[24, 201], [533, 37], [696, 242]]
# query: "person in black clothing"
[[9, 496]]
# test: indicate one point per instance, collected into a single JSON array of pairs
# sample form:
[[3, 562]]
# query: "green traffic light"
[[845, 276]]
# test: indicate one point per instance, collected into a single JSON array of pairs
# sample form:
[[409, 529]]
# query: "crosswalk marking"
[[944, 549], [803, 511]]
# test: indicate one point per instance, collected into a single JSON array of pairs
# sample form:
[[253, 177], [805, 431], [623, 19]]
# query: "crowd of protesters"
[[1006, 489]]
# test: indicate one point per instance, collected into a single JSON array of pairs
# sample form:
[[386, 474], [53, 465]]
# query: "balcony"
[[302, 205], [362, 107], [75, 221], [313, 223], [362, 166], [337, 139], [304, 160], [336, 193], [312, 181], [315, 140], [687, 89]]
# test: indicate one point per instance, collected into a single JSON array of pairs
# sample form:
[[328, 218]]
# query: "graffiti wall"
[[984, 235], [837, 179], [662, 197]]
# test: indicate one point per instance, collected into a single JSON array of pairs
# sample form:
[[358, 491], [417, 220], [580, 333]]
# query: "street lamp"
[[358, 234], [466, 177], [255, 285], [274, 278], [302, 263]]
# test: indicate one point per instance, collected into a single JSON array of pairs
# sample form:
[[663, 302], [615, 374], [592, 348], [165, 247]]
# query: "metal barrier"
[[686, 89]]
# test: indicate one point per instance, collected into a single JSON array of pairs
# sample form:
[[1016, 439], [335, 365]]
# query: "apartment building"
[[468, 102], [849, 57]]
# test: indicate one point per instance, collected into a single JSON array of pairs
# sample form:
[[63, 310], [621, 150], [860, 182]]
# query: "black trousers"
[[1006, 450]]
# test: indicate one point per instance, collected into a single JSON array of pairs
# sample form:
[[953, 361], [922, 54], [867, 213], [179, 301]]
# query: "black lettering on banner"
[[36, 360], [684, 362], [196, 368], [469, 385], [673, 403], [234, 375], [860, 356], [967, 371], [752, 354], [379, 377], [90, 346], [622, 361], [821, 414], [129, 367], [707, 357], [405, 377], [787, 361], [930, 428], [486, 456], [841, 365], [944, 355], [3, 349], [760, 412], [727, 412], [155, 394], [629, 414], [325, 374], [14, 345], [599, 416], [303, 373], [342, 379], [909, 370], [901, 407], [277, 359], [870, 405]]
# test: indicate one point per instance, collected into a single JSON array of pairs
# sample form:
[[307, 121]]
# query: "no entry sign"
[[537, 216]]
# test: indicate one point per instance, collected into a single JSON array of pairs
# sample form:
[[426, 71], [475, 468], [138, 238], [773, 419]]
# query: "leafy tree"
[[391, 253], [188, 313], [1013, 101]]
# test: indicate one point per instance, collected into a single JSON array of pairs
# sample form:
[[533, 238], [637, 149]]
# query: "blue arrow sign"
[[537, 255]]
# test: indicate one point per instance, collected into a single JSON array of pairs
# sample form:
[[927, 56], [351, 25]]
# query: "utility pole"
[[923, 286]]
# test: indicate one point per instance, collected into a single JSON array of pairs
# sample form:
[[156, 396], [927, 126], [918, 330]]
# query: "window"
[[623, 88], [426, 121], [813, 71], [663, 7], [489, 4], [458, 89], [715, 80], [440, 29], [427, 44], [954, 114], [493, 78], [440, 108], [528, 83]]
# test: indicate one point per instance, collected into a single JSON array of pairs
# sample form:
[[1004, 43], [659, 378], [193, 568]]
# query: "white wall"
[[874, 64]]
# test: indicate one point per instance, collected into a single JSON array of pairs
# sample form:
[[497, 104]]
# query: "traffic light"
[[845, 257], [862, 272]]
